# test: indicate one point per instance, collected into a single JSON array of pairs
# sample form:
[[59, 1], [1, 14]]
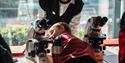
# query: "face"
[[64, 1], [54, 32]]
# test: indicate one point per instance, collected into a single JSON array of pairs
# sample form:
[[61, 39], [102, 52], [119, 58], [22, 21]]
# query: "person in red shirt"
[[69, 48], [122, 40]]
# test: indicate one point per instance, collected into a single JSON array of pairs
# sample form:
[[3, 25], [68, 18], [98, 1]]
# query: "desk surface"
[[111, 42], [19, 50]]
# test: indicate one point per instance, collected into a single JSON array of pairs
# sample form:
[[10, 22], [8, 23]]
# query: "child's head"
[[58, 29]]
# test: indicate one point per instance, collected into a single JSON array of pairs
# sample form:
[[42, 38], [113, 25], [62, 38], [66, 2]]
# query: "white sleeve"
[[74, 23], [41, 13]]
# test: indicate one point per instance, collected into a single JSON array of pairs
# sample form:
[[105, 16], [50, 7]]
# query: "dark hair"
[[4, 44], [122, 21]]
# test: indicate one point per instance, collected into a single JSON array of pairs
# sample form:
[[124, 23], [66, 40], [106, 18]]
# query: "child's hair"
[[60, 24]]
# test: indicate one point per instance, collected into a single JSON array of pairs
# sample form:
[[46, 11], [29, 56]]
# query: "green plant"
[[14, 35]]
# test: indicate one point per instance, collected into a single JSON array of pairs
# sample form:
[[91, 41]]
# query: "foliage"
[[80, 34], [14, 34]]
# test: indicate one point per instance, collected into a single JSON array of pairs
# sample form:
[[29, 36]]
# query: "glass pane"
[[15, 19], [93, 8]]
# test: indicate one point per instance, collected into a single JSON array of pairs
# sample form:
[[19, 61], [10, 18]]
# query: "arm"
[[78, 49], [74, 23], [41, 14]]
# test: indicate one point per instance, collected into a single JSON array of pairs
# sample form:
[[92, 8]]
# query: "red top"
[[73, 47], [121, 45]]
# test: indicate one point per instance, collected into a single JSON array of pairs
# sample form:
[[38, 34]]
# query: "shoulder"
[[67, 36]]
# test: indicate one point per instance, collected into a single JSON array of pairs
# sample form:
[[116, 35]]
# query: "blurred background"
[[16, 17]]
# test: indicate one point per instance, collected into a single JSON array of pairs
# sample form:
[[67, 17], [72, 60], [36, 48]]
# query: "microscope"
[[95, 37], [38, 43]]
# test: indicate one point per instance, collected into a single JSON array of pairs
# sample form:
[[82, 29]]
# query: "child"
[[72, 49]]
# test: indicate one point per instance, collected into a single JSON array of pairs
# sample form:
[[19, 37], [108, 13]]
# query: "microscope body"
[[37, 46], [95, 37]]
